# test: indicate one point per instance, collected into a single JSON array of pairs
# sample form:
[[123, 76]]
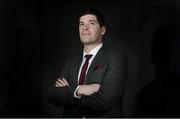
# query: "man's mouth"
[[86, 34]]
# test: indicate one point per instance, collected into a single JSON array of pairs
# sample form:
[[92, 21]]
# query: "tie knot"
[[88, 56]]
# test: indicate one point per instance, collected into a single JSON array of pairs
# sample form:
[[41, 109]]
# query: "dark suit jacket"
[[109, 68]]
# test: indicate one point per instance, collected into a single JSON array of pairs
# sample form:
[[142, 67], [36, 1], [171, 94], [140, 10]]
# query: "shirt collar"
[[94, 50]]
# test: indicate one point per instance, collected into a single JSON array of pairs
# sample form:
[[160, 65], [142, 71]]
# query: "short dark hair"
[[99, 16]]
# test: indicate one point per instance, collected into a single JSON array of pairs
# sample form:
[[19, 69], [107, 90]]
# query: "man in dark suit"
[[92, 83]]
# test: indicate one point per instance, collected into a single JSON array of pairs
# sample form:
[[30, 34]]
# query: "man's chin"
[[86, 42], [89, 42]]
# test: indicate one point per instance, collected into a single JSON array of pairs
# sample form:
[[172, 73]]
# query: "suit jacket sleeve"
[[61, 95], [112, 85]]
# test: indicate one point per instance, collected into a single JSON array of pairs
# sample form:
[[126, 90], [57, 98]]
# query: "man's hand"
[[61, 83], [88, 89]]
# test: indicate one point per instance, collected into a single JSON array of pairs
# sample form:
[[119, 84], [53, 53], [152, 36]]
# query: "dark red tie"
[[83, 71]]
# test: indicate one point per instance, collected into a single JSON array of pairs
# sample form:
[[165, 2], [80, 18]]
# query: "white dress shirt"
[[93, 52]]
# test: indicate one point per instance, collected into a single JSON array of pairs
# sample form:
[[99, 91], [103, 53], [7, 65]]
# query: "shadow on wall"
[[160, 98]]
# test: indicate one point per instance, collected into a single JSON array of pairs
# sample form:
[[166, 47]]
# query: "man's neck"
[[88, 48]]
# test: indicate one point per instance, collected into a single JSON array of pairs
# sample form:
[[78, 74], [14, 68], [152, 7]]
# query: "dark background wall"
[[38, 36], [21, 59]]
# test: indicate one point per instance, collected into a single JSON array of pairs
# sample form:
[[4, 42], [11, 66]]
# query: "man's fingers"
[[65, 81], [96, 87], [88, 89], [62, 82], [58, 84]]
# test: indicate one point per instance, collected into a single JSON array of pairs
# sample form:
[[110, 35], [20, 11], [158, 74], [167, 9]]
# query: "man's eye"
[[93, 23], [81, 24]]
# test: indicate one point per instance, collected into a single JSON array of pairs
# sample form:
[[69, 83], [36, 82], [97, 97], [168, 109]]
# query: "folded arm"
[[112, 86], [61, 93]]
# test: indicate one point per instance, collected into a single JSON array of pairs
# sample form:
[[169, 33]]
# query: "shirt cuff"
[[75, 93]]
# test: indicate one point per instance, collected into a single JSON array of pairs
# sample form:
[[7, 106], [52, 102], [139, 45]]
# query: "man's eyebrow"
[[89, 21], [93, 21]]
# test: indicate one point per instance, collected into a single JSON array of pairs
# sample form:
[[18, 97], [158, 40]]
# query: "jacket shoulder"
[[115, 53]]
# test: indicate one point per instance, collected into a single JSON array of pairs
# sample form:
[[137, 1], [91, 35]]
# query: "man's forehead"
[[88, 17]]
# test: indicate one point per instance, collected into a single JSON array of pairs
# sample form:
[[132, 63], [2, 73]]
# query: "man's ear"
[[103, 30]]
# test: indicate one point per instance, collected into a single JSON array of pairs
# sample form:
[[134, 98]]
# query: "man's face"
[[89, 30]]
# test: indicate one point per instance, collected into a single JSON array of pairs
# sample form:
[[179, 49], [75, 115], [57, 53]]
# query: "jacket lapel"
[[98, 59]]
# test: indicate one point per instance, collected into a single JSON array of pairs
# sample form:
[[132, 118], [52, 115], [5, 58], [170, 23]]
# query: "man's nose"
[[86, 27]]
